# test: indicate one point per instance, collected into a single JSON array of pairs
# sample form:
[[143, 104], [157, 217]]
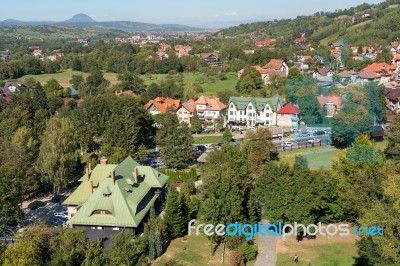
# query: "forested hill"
[[330, 26]]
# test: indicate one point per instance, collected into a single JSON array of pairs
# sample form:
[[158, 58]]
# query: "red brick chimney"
[[113, 177], [87, 174], [136, 175], [91, 186]]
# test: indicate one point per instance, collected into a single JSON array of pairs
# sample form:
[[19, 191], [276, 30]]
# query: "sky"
[[189, 12]]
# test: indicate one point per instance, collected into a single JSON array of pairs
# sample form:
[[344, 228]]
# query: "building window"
[[231, 106], [99, 228], [250, 107], [240, 112], [267, 115], [231, 112], [267, 107], [115, 228]]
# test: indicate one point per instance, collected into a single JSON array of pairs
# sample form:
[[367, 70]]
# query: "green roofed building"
[[251, 111], [113, 197]]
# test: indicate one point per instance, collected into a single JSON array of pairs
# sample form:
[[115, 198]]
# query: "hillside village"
[[111, 146]]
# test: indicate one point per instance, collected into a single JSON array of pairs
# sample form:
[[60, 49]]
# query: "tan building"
[[185, 111]]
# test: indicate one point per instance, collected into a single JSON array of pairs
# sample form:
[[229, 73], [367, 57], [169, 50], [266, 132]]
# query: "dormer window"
[[250, 107], [231, 106]]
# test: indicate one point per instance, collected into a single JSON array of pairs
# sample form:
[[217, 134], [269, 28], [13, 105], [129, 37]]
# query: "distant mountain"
[[82, 20]]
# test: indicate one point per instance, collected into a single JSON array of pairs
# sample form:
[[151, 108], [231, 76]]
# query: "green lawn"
[[337, 254], [201, 139], [64, 77], [194, 251], [210, 85]]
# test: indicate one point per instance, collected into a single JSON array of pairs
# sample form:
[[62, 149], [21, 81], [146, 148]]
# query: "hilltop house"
[[393, 99], [323, 71], [251, 111], [160, 105], [114, 197], [266, 42], [185, 111], [379, 72], [11, 88], [209, 108]]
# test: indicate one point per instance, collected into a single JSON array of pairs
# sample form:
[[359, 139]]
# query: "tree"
[[157, 237], [219, 123], [95, 84], [174, 216], [393, 148], [385, 56], [131, 81], [227, 136], [77, 81], [68, 247], [258, 147], [127, 249], [294, 73], [250, 80], [195, 123], [226, 188], [191, 90], [21, 253], [52, 85], [57, 157], [142, 153], [94, 254], [175, 142], [129, 125], [311, 110]]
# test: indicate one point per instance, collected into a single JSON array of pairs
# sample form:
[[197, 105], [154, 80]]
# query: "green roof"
[[127, 201], [82, 193], [259, 103]]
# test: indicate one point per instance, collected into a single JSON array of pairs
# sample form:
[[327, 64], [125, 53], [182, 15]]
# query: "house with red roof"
[[266, 42], [300, 39], [379, 72], [37, 53], [276, 67], [209, 108], [331, 103], [324, 71], [161, 105], [288, 116], [185, 111]]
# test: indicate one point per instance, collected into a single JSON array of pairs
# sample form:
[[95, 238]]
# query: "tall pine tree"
[[174, 216]]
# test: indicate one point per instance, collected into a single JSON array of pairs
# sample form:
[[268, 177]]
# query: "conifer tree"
[[174, 216]]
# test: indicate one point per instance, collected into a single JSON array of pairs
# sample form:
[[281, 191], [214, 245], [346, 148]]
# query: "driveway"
[[266, 249]]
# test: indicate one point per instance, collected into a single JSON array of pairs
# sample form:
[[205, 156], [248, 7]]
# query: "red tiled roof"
[[274, 64], [323, 70], [396, 57], [346, 73], [381, 67], [330, 99], [289, 108], [368, 74], [162, 104], [190, 105], [212, 103], [266, 42], [300, 39], [7, 99]]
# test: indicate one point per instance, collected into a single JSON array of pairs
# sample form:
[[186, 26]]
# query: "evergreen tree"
[[393, 148], [127, 249], [94, 254], [142, 153], [227, 136], [195, 123], [175, 142], [174, 216]]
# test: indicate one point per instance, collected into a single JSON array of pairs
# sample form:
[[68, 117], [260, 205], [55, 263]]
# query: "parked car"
[[319, 133], [303, 135], [313, 141], [201, 148], [155, 162], [61, 215], [36, 204], [287, 144]]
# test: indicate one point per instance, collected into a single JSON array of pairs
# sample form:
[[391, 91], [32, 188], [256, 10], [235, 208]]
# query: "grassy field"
[[210, 85], [64, 77], [194, 250], [322, 251], [203, 139]]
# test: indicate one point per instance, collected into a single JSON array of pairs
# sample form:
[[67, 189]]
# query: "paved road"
[[266, 250]]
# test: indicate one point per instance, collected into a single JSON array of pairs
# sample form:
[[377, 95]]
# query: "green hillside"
[[331, 26]]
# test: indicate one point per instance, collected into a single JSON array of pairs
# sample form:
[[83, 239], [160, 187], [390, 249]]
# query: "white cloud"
[[232, 14]]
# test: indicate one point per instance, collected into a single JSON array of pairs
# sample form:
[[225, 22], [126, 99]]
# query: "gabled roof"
[[393, 94], [190, 105], [212, 103], [323, 100], [381, 68], [368, 74], [162, 104], [207, 55], [323, 71], [126, 201], [289, 109], [346, 74], [241, 103], [275, 64]]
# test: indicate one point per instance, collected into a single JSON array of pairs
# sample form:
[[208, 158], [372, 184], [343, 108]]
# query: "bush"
[[249, 251], [172, 262]]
